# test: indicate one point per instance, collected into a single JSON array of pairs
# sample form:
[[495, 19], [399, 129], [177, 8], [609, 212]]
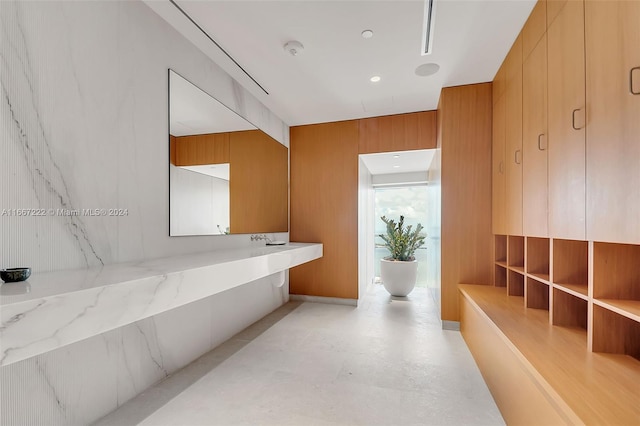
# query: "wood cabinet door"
[[566, 113], [499, 177], [513, 131], [613, 112], [534, 142]]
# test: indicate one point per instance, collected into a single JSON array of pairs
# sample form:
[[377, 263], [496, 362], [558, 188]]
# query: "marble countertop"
[[54, 309]]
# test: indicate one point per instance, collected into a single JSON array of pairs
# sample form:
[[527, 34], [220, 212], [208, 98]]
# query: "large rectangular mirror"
[[226, 176]]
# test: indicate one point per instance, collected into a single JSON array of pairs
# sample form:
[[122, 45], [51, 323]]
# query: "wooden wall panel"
[[534, 28], [258, 183], [197, 150], [467, 242], [402, 132], [324, 207]]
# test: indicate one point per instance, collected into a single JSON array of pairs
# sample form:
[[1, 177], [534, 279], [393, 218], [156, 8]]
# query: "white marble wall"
[[84, 125]]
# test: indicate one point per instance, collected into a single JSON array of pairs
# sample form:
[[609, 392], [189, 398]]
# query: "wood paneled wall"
[[324, 191], [258, 183], [324, 207], [401, 132], [197, 150], [464, 136]]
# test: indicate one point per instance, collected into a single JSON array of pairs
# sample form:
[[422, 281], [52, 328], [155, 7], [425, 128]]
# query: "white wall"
[[366, 229], [85, 126]]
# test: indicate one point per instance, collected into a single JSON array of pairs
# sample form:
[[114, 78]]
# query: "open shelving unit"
[[592, 288]]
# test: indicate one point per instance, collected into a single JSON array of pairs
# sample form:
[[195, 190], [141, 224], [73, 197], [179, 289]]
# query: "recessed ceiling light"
[[375, 79], [396, 167], [426, 70], [367, 34], [396, 156]]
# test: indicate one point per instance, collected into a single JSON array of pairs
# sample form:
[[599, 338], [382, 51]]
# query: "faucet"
[[258, 237]]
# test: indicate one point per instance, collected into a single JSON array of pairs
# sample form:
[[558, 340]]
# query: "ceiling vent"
[[427, 28]]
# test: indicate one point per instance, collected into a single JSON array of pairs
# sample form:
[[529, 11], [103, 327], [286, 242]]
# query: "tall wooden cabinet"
[[613, 113], [513, 135], [534, 142], [499, 175], [566, 112]]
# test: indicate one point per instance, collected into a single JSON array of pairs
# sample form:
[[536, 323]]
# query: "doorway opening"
[[403, 183], [393, 201]]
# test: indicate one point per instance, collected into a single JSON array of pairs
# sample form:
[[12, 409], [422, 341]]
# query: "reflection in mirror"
[[226, 176]]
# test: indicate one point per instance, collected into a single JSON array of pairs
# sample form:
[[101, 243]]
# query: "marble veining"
[[63, 308]]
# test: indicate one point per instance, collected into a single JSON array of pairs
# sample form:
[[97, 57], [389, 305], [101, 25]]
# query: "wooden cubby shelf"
[[500, 276], [538, 258], [501, 249], [515, 284], [616, 278], [571, 265], [569, 310], [515, 247], [614, 333], [537, 295]]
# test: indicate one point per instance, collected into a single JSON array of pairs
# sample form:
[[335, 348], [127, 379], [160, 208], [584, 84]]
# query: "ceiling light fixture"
[[375, 79], [367, 34], [396, 156], [294, 47], [426, 70], [427, 28]]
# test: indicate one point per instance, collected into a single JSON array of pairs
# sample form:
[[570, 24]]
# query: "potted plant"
[[400, 270]]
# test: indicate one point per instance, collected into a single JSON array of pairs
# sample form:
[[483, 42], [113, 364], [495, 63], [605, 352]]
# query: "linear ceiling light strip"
[[218, 46], [427, 36]]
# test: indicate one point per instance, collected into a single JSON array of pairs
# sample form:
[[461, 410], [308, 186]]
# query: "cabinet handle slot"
[[633, 92], [501, 167], [542, 142], [517, 157], [573, 119]]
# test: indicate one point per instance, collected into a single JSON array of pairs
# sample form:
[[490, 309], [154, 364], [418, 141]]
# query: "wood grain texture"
[[553, 9], [400, 132], [567, 152], [507, 374], [538, 256], [534, 129], [324, 207], [615, 334], [513, 135], [613, 131], [258, 183], [499, 83], [197, 150], [516, 251], [537, 295], [499, 174], [616, 271], [465, 140], [598, 388], [570, 262], [534, 28], [568, 310], [515, 284]]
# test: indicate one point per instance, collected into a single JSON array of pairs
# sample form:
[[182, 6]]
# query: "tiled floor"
[[387, 362]]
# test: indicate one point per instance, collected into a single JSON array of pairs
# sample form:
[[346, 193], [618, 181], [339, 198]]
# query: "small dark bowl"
[[14, 275]]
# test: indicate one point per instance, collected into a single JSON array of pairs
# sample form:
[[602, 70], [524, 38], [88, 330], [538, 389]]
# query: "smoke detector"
[[294, 47]]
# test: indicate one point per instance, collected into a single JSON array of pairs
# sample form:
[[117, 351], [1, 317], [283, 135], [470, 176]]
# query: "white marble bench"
[[54, 309]]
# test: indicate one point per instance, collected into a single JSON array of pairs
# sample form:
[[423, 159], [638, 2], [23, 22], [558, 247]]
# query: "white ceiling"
[[329, 81], [387, 163]]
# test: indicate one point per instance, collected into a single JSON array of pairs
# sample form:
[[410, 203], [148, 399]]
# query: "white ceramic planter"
[[399, 278]]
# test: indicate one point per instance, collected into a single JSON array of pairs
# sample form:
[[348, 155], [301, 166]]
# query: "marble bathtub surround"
[[67, 306]]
